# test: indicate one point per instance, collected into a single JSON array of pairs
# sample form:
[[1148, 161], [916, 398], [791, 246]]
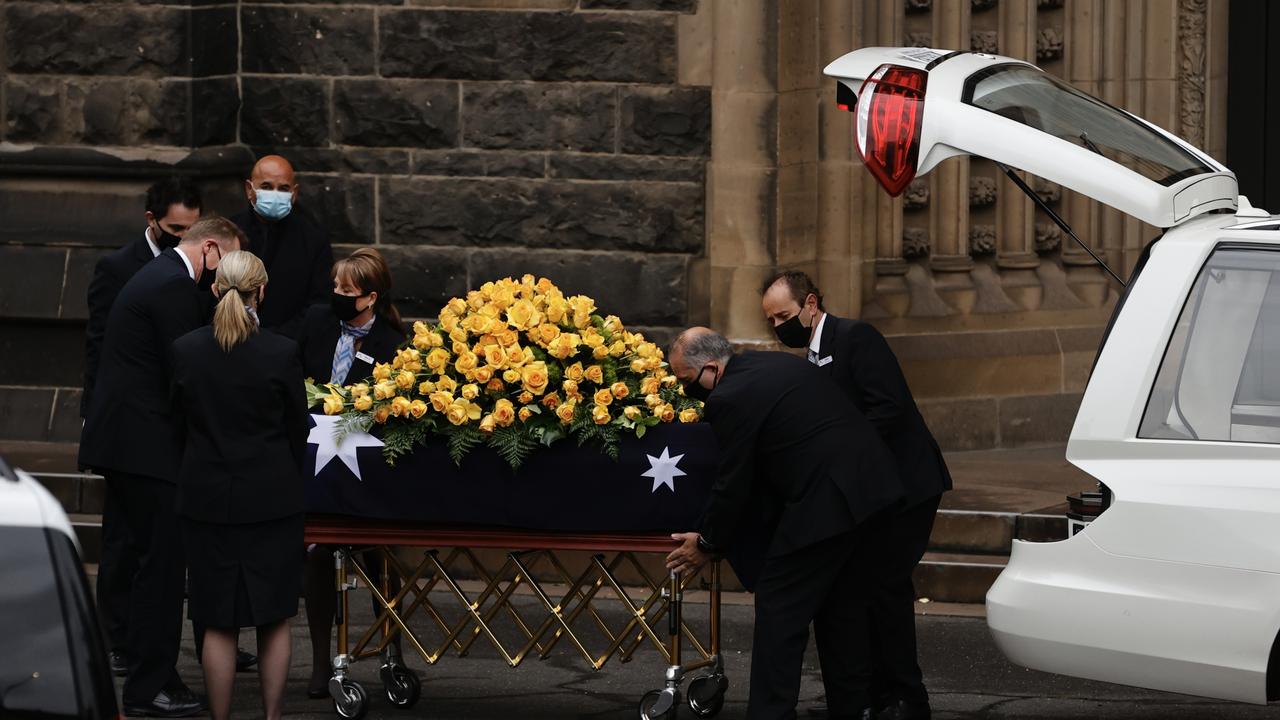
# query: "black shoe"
[[245, 661], [905, 710], [167, 705], [820, 711], [319, 686], [118, 666]]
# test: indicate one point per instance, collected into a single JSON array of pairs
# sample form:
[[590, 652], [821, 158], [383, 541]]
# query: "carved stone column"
[[839, 251], [949, 204], [1015, 213]]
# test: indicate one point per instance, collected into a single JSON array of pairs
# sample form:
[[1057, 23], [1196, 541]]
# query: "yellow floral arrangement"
[[515, 365]]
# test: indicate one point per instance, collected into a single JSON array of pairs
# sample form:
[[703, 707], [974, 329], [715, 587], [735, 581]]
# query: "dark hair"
[[170, 191], [798, 283], [367, 270]]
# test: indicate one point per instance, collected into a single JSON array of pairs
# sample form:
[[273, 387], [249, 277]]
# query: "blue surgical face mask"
[[273, 204]]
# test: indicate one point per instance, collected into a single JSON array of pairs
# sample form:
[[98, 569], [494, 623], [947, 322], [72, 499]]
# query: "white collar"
[[816, 343], [191, 270], [146, 235]]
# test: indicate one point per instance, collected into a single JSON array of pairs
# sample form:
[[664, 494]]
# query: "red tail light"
[[890, 108]]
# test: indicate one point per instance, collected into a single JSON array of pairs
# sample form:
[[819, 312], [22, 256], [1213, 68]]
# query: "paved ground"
[[968, 677]]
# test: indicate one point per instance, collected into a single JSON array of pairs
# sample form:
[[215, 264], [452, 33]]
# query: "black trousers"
[[155, 608], [116, 571], [897, 674], [824, 584]]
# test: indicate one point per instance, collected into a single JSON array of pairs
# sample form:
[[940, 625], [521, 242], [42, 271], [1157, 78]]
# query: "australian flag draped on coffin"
[[660, 483]]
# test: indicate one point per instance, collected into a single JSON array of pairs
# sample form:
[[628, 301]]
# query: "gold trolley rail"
[[402, 591]]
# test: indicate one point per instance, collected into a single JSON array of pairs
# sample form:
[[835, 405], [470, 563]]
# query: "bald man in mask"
[[292, 244]]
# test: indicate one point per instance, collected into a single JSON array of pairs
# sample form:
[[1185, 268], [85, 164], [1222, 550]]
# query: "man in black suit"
[[855, 355], [294, 248], [172, 206], [129, 437], [803, 479]]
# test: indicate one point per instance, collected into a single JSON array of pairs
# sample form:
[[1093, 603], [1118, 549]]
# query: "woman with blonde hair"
[[340, 343], [239, 394]]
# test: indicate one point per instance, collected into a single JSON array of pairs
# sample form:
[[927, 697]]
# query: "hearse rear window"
[[1220, 376]]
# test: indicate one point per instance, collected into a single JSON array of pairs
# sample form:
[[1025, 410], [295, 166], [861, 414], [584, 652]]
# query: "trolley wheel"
[[402, 685], [659, 705], [354, 701], [706, 695]]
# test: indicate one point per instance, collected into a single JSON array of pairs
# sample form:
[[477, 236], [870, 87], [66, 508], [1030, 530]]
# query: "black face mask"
[[791, 333], [163, 238], [344, 306], [207, 276], [695, 390]]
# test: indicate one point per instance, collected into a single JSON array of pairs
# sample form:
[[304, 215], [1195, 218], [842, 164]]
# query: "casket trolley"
[[418, 567]]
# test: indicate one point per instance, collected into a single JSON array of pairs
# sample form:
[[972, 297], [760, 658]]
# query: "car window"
[[36, 675], [1041, 101], [1220, 376]]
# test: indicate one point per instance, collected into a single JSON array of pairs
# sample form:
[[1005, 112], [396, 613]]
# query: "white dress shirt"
[[816, 343]]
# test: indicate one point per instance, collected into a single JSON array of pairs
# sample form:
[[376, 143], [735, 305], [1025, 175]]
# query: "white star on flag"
[[664, 470], [323, 436]]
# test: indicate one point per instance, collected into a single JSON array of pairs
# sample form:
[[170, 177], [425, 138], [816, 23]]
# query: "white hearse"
[[1176, 584]]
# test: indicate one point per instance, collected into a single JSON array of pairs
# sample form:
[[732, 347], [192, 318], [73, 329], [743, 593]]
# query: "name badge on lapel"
[[365, 358], [822, 362]]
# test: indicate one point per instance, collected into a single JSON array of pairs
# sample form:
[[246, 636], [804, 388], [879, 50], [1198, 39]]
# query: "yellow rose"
[[618, 348], [496, 385], [476, 300], [438, 359], [565, 412], [603, 397], [570, 388], [600, 414], [410, 359], [581, 321], [600, 353], [563, 346], [524, 414], [426, 387], [495, 356], [440, 401], [359, 389], [637, 366], [417, 408], [446, 383], [548, 332], [506, 337], [381, 414], [471, 391], [619, 390], [653, 401], [649, 385], [448, 321], [487, 423], [511, 376], [665, 413], [689, 415], [363, 403], [556, 309], [420, 328], [544, 285], [466, 362], [595, 374], [457, 413], [384, 390], [669, 381], [460, 347], [534, 377], [523, 315], [483, 374], [333, 404], [457, 306], [591, 338], [574, 372], [525, 398], [551, 401], [646, 350], [382, 371], [458, 335], [406, 379], [400, 406], [632, 412], [504, 413]]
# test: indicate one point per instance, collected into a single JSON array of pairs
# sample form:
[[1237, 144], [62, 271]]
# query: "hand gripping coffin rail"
[[525, 608]]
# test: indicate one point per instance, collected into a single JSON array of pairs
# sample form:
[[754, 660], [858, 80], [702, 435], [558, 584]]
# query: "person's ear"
[[249, 192], [214, 288], [262, 293], [294, 192], [373, 299]]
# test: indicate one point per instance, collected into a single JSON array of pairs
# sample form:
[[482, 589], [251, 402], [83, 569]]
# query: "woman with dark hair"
[[240, 397], [340, 343]]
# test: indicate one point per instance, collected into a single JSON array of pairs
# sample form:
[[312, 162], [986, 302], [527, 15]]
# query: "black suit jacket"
[[130, 426], [865, 368], [799, 463], [243, 426], [318, 337], [298, 258], [109, 277]]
